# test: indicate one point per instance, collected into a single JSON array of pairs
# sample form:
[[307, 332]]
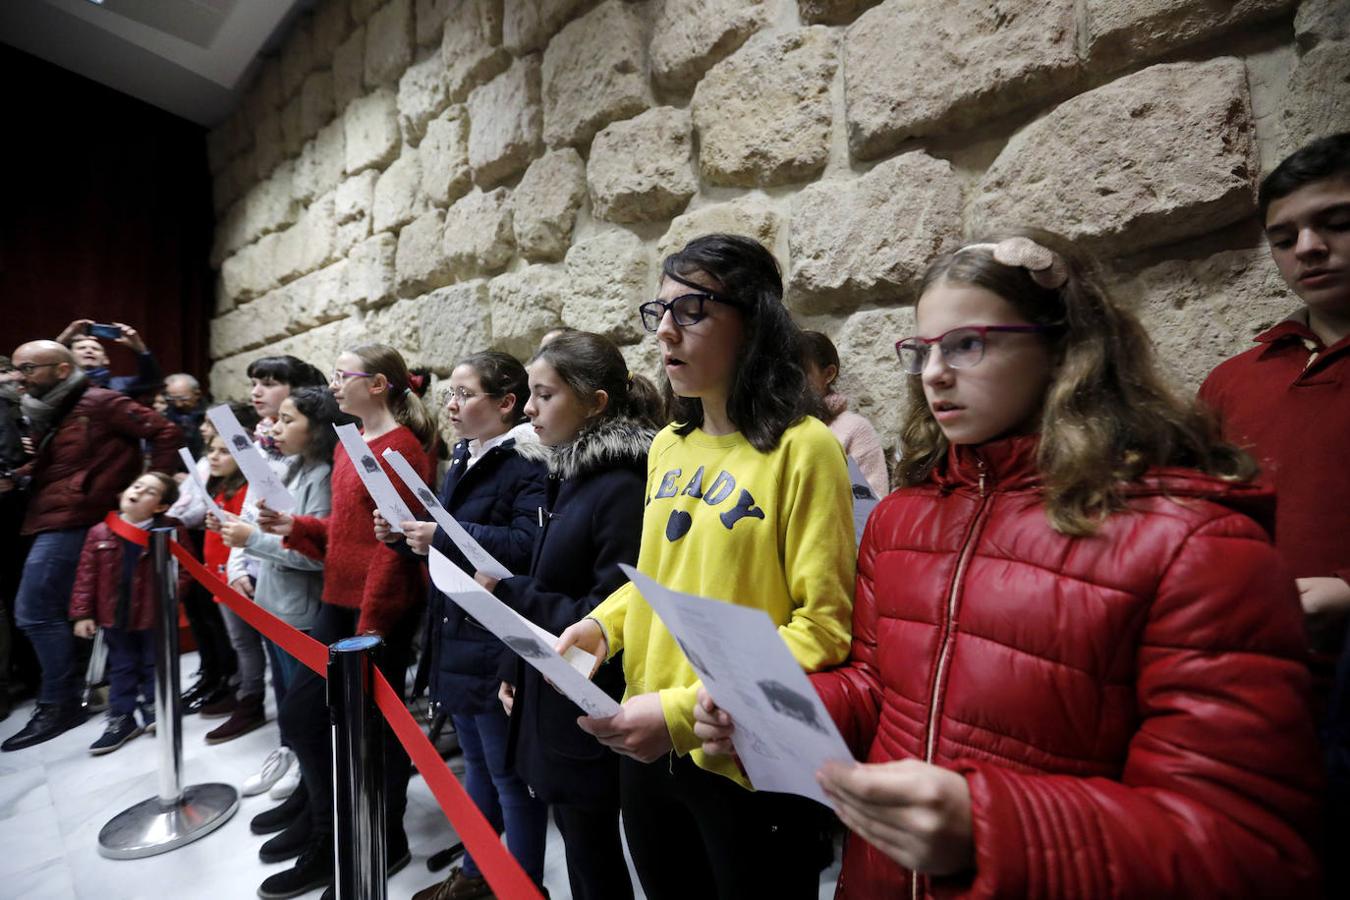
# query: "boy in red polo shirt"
[[1288, 401]]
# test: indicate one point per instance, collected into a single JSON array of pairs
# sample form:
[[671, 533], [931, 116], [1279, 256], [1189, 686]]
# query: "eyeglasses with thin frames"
[[462, 396], [342, 376], [686, 310], [961, 347]]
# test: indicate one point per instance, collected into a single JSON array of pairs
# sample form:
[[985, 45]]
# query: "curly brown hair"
[[1109, 413]]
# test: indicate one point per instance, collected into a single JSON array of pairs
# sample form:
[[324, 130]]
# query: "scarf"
[[44, 412]]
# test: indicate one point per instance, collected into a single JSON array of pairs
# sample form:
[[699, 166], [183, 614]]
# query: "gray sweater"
[[290, 584]]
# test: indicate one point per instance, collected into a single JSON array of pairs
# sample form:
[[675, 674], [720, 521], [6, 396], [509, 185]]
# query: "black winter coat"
[[593, 522], [497, 500]]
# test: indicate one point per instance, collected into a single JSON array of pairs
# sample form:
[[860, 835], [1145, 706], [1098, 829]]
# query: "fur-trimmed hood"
[[617, 442]]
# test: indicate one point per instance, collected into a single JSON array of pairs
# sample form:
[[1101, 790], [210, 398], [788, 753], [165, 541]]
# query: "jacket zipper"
[[944, 651]]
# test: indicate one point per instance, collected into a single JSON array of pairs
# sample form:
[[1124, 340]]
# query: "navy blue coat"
[[593, 522], [497, 500]]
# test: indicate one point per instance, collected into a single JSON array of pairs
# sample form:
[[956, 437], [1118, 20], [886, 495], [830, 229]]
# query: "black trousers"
[[692, 833], [595, 865], [208, 628], [304, 720]]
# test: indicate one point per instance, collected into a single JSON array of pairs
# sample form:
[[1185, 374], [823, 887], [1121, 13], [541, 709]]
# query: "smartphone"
[[107, 332]]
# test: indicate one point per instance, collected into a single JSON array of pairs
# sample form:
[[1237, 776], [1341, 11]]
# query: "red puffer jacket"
[[93, 453], [1129, 710], [99, 576]]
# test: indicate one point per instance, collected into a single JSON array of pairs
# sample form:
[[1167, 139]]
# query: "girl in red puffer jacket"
[[1077, 663]]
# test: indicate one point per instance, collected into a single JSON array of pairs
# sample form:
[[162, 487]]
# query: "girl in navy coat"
[[494, 488]]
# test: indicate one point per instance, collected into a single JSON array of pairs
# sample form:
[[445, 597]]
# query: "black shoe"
[[278, 818], [290, 843], [213, 693], [49, 720], [314, 869], [396, 864], [193, 694]]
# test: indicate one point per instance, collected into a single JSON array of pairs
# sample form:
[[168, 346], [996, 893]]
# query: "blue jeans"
[[42, 607], [131, 670], [499, 793]]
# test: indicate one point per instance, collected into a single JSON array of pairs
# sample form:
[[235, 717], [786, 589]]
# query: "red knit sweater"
[[1288, 402], [359, 571]]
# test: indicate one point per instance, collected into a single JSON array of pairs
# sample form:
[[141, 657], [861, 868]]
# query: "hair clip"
[[1044, 265]]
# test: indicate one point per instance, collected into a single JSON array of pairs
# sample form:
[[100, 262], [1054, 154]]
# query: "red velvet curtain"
[[105, 214]]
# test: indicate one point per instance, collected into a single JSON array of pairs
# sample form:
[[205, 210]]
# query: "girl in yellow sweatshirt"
[[748, 501]]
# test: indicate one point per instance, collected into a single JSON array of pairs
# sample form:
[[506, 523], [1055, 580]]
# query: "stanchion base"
[[150, 827]]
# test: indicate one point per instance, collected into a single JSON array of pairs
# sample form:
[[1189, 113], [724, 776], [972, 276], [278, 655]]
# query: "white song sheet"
[[367, 467], [482, 560], [263, 483], [569, 674], [783, 732], [186, 456]]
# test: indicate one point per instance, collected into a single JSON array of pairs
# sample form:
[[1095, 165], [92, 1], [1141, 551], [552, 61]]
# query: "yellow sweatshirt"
[[725, 521]]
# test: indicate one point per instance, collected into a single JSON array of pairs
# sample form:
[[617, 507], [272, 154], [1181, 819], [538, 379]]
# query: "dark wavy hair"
[[768, 392], [501, 374], [588, 362], [320, 409], [1109, 414]]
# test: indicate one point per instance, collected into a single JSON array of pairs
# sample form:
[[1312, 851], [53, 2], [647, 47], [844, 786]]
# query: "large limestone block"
[[317, 298], [870, 238], [349, 69], [353, 210], [471, 49], [270, 205], [763, 114], [420, 263], [430, 16], [314, 232], [320, 346], [398, 194], [1318, 102], [644, 358], [831, 12], [963, 62], [371, 127], [752, 216], [229, 235], [527, 26], [330, 24], [642, 169], [1157, 156], [871, 376], [389, 43], [268, 146], [320, 166], [478, 236], [546, 204], [1321, 20], [445, 157], [437, 328], [364, 9], [609, 275], [297, 59], [252, 271], [421, 95], [264, 320], [1124, 32], [505, 123], [228, 378], [293, 135], [316, 102], [369, 279], [690, 36], [595, 71], [526, 305], [1200, 312], [266, 87]]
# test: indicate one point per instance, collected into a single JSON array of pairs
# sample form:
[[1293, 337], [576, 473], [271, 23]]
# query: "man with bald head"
[[186, 408], [86, 443]]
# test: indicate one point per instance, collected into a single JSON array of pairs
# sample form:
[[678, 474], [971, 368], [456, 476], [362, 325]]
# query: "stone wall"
[[444, 175]]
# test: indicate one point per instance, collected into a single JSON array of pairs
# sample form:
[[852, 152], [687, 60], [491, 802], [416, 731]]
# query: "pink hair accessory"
[[1044, 265]]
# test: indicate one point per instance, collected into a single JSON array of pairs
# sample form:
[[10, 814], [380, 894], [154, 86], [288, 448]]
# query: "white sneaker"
[[278, 763], [287, 784]]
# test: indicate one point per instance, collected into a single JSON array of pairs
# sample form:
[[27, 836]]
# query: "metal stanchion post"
[[178, 815], [358, 770]]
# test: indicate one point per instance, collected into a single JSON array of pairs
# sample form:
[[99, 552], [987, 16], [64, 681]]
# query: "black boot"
[[314, 869], [290, 843], [279, 817], [49, 720], [211, 693]]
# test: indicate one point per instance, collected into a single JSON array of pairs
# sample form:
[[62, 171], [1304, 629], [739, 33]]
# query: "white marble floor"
[[55, 797]]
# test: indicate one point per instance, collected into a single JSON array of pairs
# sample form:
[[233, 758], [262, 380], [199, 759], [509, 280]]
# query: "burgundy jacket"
[[1129, 709], [99, 576], [91, 455]]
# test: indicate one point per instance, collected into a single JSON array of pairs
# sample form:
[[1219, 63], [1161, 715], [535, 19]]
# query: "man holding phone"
[[85, 339]]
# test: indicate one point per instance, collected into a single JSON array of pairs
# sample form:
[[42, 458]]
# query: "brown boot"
[[247, 715], [457, 886]]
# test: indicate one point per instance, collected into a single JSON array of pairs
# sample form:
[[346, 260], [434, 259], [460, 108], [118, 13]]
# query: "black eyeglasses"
[[961, 347], [686, 310], [30, 368]]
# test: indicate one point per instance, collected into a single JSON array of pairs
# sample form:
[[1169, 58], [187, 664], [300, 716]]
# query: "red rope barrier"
[[499, 867]]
